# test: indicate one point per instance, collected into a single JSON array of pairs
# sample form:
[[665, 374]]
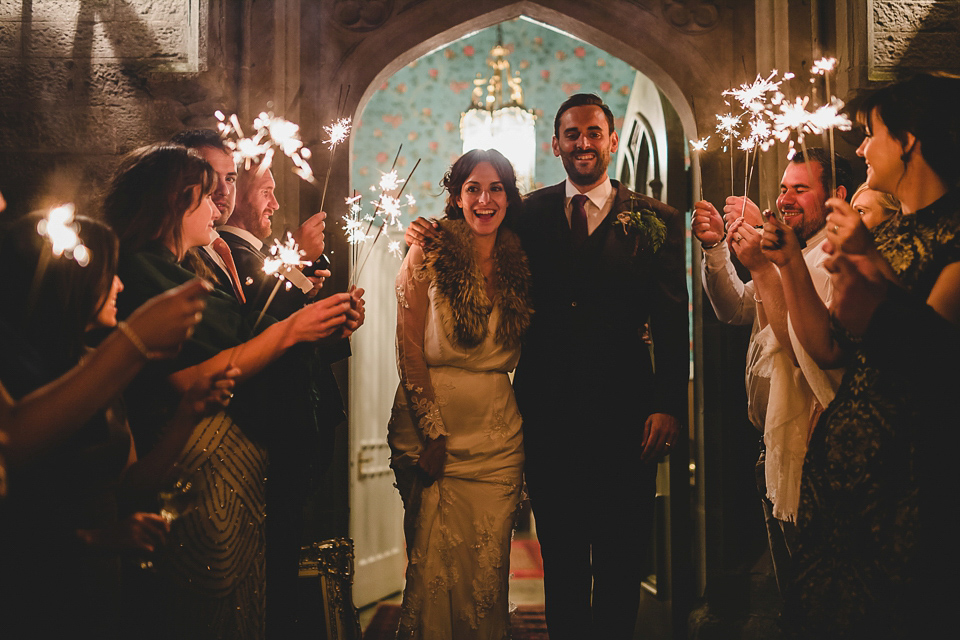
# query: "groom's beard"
[[585, 173]]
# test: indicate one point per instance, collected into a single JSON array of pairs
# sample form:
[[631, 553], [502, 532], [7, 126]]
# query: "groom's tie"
[[578, 220]]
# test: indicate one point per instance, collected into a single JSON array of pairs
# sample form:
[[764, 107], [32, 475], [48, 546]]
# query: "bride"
[[455, 429]]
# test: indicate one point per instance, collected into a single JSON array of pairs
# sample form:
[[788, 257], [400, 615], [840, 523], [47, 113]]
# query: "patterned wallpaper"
[[420, 106]]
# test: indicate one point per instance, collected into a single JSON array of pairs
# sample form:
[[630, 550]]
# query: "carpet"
[[526, 623], [525, 560]]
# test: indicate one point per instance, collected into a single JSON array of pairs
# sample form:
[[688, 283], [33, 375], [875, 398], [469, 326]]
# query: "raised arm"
[[766, 281], [809, 315], [731, 298], [311, 323], [52, 412]]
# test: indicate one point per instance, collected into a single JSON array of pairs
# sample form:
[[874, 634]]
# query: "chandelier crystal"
[[497, 118]]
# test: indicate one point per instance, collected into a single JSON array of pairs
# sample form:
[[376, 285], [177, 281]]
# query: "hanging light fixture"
[[497, 118]]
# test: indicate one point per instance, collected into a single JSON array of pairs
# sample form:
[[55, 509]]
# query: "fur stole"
[[452, 264]]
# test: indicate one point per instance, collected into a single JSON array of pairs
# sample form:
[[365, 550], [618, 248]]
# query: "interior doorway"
[[419, 107]]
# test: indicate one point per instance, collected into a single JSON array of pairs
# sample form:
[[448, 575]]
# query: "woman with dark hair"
[[159, 203], [875, 548], [62, 509], [455, 432]]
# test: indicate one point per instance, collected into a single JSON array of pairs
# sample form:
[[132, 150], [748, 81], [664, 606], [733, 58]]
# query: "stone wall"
[[84, 81], [912, 35]]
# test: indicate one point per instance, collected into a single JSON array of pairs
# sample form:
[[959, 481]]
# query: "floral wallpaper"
[[420, 106]]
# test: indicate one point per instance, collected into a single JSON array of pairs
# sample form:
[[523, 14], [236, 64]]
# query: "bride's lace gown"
[[458, 529]]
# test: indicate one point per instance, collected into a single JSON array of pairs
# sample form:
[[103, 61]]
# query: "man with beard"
[[786, 390], [217, 256], [295, 472], [597, 416]]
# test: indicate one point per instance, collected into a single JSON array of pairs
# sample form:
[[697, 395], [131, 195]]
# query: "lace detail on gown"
[[458, 529]]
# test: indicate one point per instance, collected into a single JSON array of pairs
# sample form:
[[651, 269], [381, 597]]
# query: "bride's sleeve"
[[412, 306]]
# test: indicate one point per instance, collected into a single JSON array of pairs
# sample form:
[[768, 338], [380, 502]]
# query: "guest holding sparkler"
[[159, 203], [297, 467], [463, 307], [784, 388], [876, 552], [62, 510]]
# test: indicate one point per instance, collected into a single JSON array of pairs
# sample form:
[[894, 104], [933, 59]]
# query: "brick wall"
[[906, 35], [84, 81]]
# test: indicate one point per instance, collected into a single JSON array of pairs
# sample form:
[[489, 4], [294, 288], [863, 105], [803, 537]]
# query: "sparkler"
[[387, 211], [272, 132], [697, 146], [823, 67], [59, 229], [282, 260], [728, 127], [338, 132]]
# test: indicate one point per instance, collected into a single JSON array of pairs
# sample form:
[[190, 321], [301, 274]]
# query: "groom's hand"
[[432, 459], [659, 433], [421, 231]]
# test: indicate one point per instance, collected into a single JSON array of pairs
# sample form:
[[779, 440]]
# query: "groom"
[[597, 415]]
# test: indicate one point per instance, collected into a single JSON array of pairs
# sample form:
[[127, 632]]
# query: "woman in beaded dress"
[[455, 429], [874, 550], [211, 578], [63, 528]]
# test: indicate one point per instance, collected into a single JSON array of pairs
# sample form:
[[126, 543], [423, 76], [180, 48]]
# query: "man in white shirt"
[[785, 389]]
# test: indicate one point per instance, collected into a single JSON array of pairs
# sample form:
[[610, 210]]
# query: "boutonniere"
[[647, 229]]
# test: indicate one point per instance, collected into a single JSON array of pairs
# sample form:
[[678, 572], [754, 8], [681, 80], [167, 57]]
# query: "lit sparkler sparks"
[[338, 132], [386, 214], [272, 132], [59, 228], [823, 66], [390, 181], [283, 259], [699, 145], [750, 96]]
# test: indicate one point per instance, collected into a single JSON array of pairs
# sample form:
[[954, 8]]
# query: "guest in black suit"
[[295, 472], [597, 414]]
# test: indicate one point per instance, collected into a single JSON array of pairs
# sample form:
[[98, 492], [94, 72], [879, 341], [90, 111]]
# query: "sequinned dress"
[[455, 349], [858, 563]]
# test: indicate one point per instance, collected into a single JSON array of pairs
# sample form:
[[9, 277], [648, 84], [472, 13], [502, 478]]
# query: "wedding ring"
[[667, 445], [738, 237]]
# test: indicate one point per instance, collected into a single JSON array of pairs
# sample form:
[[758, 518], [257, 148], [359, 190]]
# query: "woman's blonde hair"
[[888, 202]]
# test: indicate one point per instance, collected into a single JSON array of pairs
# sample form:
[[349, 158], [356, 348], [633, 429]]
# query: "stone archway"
[[691, 65]]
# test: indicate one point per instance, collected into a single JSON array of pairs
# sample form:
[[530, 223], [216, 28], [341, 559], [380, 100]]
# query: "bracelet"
[[707, 247], [756, 299], [134, 339]]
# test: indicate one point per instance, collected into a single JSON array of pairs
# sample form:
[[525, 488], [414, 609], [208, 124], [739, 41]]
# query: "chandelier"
[[497, 118]]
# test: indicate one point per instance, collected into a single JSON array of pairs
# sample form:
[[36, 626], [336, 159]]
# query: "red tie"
[[220, 246], [578, 220]]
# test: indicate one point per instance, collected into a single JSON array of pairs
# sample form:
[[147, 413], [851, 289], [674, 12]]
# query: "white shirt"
[[780, 395], [245, 235], [599, 203]]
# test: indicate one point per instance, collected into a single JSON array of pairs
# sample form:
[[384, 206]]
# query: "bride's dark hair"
[[464, 166]]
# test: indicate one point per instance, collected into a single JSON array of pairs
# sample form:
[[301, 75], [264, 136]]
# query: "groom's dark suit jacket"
[[585, 371]]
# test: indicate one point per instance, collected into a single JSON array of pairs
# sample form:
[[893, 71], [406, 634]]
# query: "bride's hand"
[[432, 458]]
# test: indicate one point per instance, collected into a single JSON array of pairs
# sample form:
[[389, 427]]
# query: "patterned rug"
[[525, 560], [527, 623]]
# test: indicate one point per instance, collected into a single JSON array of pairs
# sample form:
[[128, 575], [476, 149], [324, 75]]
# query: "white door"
[[376, 512]]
